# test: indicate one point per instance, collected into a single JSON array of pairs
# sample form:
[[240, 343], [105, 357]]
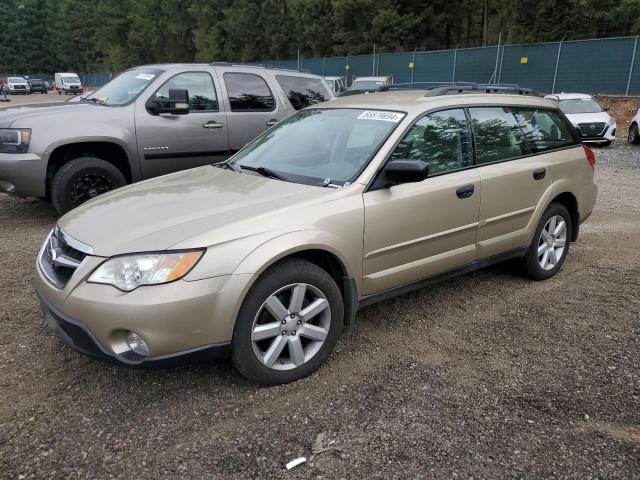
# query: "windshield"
[[70, 79], [580, 105], [125, 87], [321, 146], [366, 85], [17, 80]]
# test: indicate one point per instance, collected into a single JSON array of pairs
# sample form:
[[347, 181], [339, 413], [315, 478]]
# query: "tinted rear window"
[[498, 134], [303, 91], [248, 92]]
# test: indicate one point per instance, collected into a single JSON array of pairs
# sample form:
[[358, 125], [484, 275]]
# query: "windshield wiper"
[[265, 172]]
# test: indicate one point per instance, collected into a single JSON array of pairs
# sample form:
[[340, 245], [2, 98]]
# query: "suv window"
[[202, 93], [303, 91], [248, 92], [498, 135], [441, 140], [544, 129]]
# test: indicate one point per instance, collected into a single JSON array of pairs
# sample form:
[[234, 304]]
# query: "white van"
[[68, 83]]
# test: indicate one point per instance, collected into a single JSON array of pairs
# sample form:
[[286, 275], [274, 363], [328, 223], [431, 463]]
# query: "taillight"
[[591, 157]]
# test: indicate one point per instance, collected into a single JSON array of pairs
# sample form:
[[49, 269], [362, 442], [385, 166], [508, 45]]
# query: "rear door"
[[252, 105], [167, 143], [514, 179]]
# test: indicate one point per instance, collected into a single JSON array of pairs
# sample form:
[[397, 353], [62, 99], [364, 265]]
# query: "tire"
[[634, 135], [284, 278], [532, 261], [606, 144], [59, 93], [82, 179]]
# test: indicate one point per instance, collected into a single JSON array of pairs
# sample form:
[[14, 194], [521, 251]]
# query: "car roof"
[[569, 96], [415, 101], [371, 79], [329, 77]]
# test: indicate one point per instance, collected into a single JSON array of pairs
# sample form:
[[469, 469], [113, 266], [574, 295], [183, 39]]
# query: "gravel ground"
[[34, 98], [484, 376]]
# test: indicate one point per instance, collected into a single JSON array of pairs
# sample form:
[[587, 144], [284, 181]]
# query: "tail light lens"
[[591, 157]]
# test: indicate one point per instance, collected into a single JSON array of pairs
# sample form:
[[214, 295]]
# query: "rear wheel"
[[550, 244], [82, 179], [634, 135], [289, 323]]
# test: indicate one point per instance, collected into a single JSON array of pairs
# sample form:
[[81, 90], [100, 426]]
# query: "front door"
[[416, 230], [167, 143]]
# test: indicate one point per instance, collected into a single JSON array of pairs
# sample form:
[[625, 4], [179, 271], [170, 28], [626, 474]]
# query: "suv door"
[[416, 230], [167, 143], [252, 105], [514, 181]]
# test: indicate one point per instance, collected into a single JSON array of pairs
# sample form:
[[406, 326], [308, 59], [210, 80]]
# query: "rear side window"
[[441, 140], [202, 93], [248, 93], [544, 129], [302, 91], [498, 134]]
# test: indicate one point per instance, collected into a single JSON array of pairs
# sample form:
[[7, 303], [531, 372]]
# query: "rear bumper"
[[77, 336], [23, 174]]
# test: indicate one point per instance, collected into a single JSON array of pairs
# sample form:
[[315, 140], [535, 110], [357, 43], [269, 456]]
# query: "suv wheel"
[[634, 135], [82, 179], [289, 323], [550, 244]]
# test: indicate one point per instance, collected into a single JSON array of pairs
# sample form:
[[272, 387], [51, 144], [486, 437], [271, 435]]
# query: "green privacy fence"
[[609, 66]]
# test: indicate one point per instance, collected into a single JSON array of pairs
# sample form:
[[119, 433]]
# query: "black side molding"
[[471, 267]]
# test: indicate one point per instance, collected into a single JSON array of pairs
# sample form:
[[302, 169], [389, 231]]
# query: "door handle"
[[212, 124], [539, 173], [272, 122], [465, 192]]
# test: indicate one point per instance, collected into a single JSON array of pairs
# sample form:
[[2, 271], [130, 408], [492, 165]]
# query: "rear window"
[[303, 91], [544, 129], [248, 93]]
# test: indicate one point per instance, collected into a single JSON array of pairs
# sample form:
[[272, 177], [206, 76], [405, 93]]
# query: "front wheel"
[[634, 135], [550, 244], [289, 323], [83, 179]]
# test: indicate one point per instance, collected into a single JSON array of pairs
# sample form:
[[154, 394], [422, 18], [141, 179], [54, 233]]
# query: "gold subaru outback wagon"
[[267, 256]]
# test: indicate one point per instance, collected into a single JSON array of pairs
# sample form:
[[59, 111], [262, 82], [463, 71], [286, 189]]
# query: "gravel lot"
[[34, 98], [484, 376]]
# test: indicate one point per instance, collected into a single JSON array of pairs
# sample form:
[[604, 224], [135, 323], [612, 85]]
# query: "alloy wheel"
[[88, 186], [286, 337], [552, 242]]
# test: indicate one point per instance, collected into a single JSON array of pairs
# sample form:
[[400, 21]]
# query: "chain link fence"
[[607, 66]]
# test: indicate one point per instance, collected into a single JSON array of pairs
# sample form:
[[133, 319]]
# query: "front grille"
[[19, 87], [60, 256], [592, 129]]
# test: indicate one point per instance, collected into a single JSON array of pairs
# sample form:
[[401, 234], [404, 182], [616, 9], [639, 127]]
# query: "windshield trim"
[[365, 164], [129, 102]]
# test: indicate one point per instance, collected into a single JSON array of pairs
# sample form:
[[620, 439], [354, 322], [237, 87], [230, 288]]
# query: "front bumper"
[[23, 174], [76, 335]]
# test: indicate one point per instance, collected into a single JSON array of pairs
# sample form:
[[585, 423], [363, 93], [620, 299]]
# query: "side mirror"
[[405, 171], [176, 104]]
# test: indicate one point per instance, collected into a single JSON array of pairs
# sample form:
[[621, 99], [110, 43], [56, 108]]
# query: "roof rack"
[[256, 65], [456, 88]]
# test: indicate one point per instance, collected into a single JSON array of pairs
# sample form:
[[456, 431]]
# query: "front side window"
[[579, 105], [125, 87], [202, 93], [321, 146], [303, 91], [498, 135], [441, 140], [248, 93], [544, 129]]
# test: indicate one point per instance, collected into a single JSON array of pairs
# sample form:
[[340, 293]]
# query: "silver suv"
[[146, 122]]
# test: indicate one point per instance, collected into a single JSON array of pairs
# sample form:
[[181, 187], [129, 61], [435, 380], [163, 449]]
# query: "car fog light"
[[137, 344]]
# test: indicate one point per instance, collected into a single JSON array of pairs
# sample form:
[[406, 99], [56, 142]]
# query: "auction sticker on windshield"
[[394, 117]]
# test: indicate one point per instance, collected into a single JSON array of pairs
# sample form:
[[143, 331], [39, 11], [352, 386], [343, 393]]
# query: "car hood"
[[576, 118], [159, 213], [9, 115]]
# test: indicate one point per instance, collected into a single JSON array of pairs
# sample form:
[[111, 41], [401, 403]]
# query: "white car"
[[337, 84], [18, 85], [593, 122], [634, 129]]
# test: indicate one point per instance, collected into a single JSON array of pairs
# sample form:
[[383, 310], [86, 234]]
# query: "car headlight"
[[131, 271], [14, 140]]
